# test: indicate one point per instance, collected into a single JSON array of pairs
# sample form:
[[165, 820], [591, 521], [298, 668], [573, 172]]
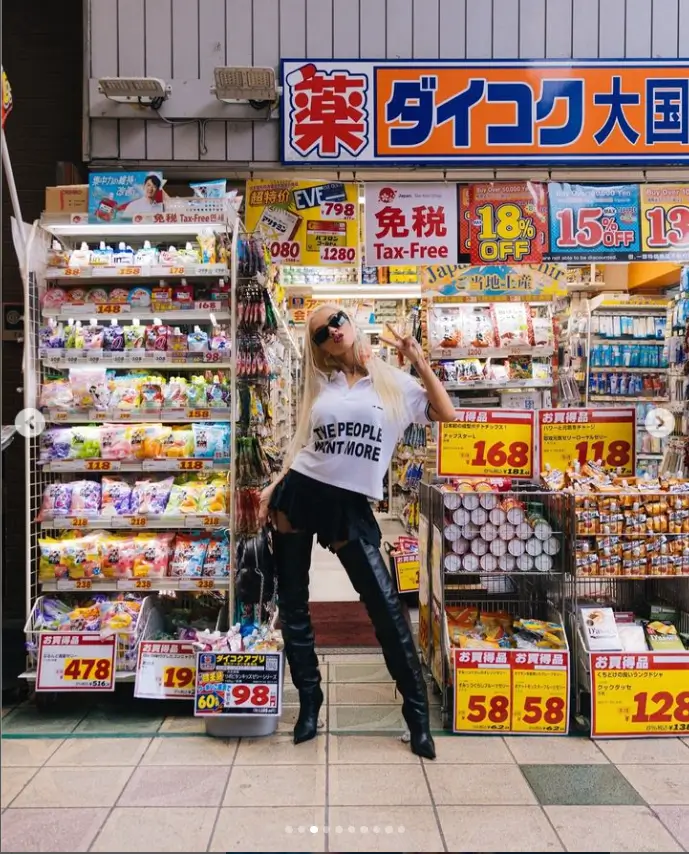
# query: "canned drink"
[[470, 563], [453, 532], [525, 563], [461, 546], [461, 516], [551, 546], [479, 516], [516, 547], [489, 532], [470, 500], [452, 500], [453, 563], [488, 500], [497, 516], [498, 547], [541, 527], [479, 547], [470, 531], [507, 563], [523, 531], [543, 563], [534, 547], [506, 531], [489, 563], [514, 510]]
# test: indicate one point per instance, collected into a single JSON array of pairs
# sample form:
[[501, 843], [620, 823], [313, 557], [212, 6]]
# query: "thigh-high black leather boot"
[[292, 554], [369, 575]]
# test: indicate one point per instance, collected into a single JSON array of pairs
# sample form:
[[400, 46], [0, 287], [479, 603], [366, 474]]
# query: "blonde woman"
[[355, 408]]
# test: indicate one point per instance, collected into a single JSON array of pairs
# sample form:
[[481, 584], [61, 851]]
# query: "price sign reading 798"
[[487, 443]]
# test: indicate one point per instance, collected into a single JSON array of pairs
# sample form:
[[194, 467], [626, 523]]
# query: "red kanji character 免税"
[[391, 223], [429, 221]]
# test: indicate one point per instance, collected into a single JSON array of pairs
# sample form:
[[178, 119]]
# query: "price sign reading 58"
[[487, 443]]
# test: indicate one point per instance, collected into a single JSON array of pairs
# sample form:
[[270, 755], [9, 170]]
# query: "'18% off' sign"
[[583, 435], [487, 443]]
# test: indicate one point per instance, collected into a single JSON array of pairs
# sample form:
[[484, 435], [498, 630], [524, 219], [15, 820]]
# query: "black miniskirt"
[[334, 515]]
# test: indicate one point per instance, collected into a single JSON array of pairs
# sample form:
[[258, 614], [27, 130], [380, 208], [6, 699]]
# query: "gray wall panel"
[[399, 29], [638, 28], [532, 29], [479, 29], [346, 29], [665, 23], [558, 28], [453, 23], [611, 29], [506, 36], [426, 29]]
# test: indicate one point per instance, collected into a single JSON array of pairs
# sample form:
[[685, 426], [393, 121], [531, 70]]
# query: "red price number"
[[98, 465], [338, 254], [514, 456], [551, 711], [178, 677], [338, 210], [82, 584], [668, 227], [205, 584], [496, 710], [129, 271], [142, 584], [108, 309], [190, 465], [199, 413], [661, 708], [176, 271], [285, 250], [79, 522], [592, 228], [618, 454], [88, 668], [138, 521], [211, 356], [253, 695], [211, 521], [72, 271]]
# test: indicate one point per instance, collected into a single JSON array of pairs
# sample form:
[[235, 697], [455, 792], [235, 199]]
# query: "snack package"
[[125, 393], [197, 341], [51, 565], [90, 387], [84, 443], [120, 614], [82, 556], [211, 441], [55, 444], [116, 496], [175, 393], [140, 297], [56, 394], [118, 296], [156, 338], [113, 338], [210, 189], [217, 560], [150, 497], [206, 241], [513, 322], [86, 495], [51, 337], [133, 337], [152, 393], [179, 443], [213, 498], [57, 500], [189, 555], [155, 438], [117, 555], [184, 498], [151, 555], [96, 296], [115, 442]]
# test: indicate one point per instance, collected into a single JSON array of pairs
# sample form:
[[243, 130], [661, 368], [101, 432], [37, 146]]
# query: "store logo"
[[387, 195], [659, 423]]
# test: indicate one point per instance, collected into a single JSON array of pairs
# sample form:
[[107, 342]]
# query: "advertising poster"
[[464, 207], [306, 223], [594, 223], [508, 223], [522, 282], [117, 196], [410, 224], [665, 222], [238, 684]]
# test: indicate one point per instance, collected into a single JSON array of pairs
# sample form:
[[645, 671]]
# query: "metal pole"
[[14, 198], [233, 415]]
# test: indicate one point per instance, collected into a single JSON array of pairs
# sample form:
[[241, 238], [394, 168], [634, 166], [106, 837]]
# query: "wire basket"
[[148, 624]]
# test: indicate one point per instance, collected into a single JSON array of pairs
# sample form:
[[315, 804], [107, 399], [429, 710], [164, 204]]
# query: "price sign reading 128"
[[487, 443]]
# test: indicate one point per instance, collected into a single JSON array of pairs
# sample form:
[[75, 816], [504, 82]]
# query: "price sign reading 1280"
[[487, 443]]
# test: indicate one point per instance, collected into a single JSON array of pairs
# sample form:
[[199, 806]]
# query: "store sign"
[[511, 691], [478, 112], [6, 98], [165, 670], [594, 223], [508, 223], [640, 694], [665, 219], [75, 661], [305, 223], [582, 435], [487, 443], [117, 196], [407, 568], [238, 684], [523, 282], [410, 224]]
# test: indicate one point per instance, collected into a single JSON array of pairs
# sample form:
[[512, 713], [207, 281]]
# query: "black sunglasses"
[[321, 335]]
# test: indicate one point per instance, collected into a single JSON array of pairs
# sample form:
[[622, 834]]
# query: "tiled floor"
[[144, 780]]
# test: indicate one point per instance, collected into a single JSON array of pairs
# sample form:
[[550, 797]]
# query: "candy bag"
[[189, 554], [50, 562], [57, 500], [82, 557], [213, 498], [184, 498], [117, 556], [179, 443], [211, 441], [151, 555], [85, 498], [55, 444], [56, 394], [84, 443], [217, 560], [150, 496], [115, 442], [116, 495]]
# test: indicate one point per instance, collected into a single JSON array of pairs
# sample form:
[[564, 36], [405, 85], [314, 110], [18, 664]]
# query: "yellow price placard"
[[567, 435], [407, 570], [487, 443], [639, 694], [664, 221], [482, 691], [540, 692]]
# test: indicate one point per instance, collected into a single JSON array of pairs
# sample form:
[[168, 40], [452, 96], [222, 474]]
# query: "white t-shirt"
[[143, 205], [352, 440]]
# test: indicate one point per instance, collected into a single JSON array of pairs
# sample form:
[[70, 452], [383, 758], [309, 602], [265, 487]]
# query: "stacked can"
[[487, 533]]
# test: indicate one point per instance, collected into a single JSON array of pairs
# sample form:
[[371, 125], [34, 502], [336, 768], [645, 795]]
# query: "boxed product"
[[67, 199], [599, 629]]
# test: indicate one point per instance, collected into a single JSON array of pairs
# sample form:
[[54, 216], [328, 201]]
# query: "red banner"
[[508, 223]]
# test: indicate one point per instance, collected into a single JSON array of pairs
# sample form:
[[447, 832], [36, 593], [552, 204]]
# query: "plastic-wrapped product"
[[150, 497], [86, 495], [211, 441], [55, 444], [115, 442], [116, 495], [217, 557], [151, 555], [84, 443], [117, 555], [57, 500], [184, 498], [189, 555]]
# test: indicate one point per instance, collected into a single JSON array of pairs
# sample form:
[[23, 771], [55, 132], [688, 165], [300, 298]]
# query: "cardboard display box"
[[67, 199]]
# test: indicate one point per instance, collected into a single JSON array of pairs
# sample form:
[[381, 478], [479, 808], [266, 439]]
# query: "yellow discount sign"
[[407, 568], [306, 223], [568, 435], [639, 694], [487, 443], [540, 692], [665, 222], [483, 688]]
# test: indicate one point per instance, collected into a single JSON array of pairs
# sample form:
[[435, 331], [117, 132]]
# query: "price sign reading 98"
[[487, 443], [238, 684]]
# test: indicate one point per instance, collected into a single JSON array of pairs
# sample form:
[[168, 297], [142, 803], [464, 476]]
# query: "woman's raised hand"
[[407, 347], [263, 507]]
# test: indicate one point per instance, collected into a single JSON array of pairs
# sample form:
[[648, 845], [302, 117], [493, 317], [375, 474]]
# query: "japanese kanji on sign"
[[569, 435], [518, 282], [508, 223], [411, 224], [473, 112], [75, 661], [165, 670], [238, 684], [665, 222], [306, 223]]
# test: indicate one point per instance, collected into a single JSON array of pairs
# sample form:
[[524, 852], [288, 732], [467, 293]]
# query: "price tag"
[[482, 691], [665, 222], [194, 465], [102, 465], [122, 416], [135, 584], [78, 521], [338, 255], [99, 415], [160, 357], [639, 694], [196, 584], [540, 692], [238, 684], [129, 271], [108, 309], [604, 434], [137, 521], [176, 271], [57, 416], [211, 521], [282, 251], [199, 414], [136, 356], [73, 272], [73, 358], [407, 569], [207, 305], [74, 584], [165, 670], [73, 661], [212, 356], [118, 358], [487, 443], [338, 211], [93, 357]]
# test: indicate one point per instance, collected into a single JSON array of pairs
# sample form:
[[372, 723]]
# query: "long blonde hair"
[[315, 363]]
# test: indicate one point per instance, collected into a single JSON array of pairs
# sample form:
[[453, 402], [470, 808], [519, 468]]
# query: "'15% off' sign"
[[487, 443]]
